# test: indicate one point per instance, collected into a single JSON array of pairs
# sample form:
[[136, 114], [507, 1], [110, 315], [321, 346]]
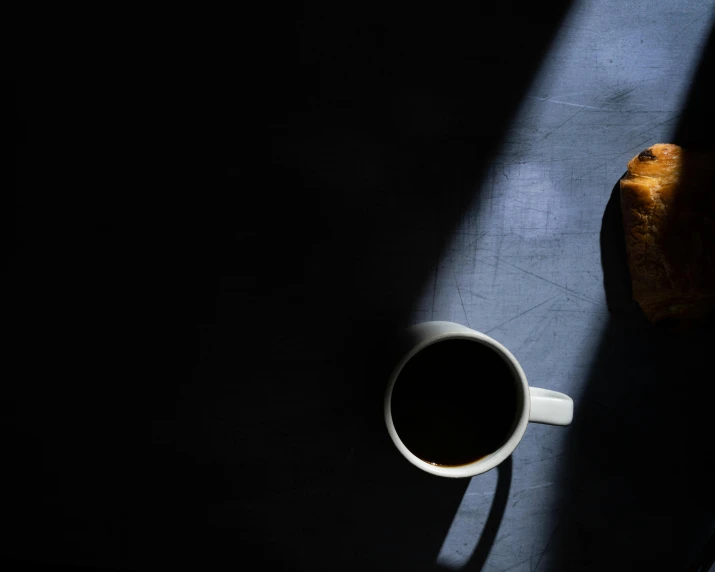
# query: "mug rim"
[[491, 460]]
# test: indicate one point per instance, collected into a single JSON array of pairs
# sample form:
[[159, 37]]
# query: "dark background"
[[197, 361]]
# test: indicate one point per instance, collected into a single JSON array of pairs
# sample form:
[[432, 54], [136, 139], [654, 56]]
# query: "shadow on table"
[[641, 445], [357, 147], [376, 152]]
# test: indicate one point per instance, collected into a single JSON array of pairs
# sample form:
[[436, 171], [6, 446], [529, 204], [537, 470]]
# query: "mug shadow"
[[496, 513], [416, 548]]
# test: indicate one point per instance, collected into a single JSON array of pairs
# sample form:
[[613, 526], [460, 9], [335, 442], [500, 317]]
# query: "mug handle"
[[550, 407]]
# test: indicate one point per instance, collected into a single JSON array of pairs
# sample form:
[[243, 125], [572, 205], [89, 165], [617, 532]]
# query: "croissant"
[[668, 206]]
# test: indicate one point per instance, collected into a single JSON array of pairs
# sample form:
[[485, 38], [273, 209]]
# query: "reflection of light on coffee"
[[526, 213]]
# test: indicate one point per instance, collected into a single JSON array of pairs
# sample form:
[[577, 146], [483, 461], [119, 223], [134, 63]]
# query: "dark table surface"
[[383, 169]]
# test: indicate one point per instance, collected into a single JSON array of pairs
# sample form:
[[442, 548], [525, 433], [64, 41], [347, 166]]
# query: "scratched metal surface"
[[525, 265]]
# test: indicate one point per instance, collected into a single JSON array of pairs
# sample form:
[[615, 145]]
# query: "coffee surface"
[[454, 402]]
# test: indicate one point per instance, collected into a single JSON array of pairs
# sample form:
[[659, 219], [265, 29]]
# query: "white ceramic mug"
[[534, 404]]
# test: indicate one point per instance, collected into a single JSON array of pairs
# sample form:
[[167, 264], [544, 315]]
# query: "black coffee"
[[455, 402]]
